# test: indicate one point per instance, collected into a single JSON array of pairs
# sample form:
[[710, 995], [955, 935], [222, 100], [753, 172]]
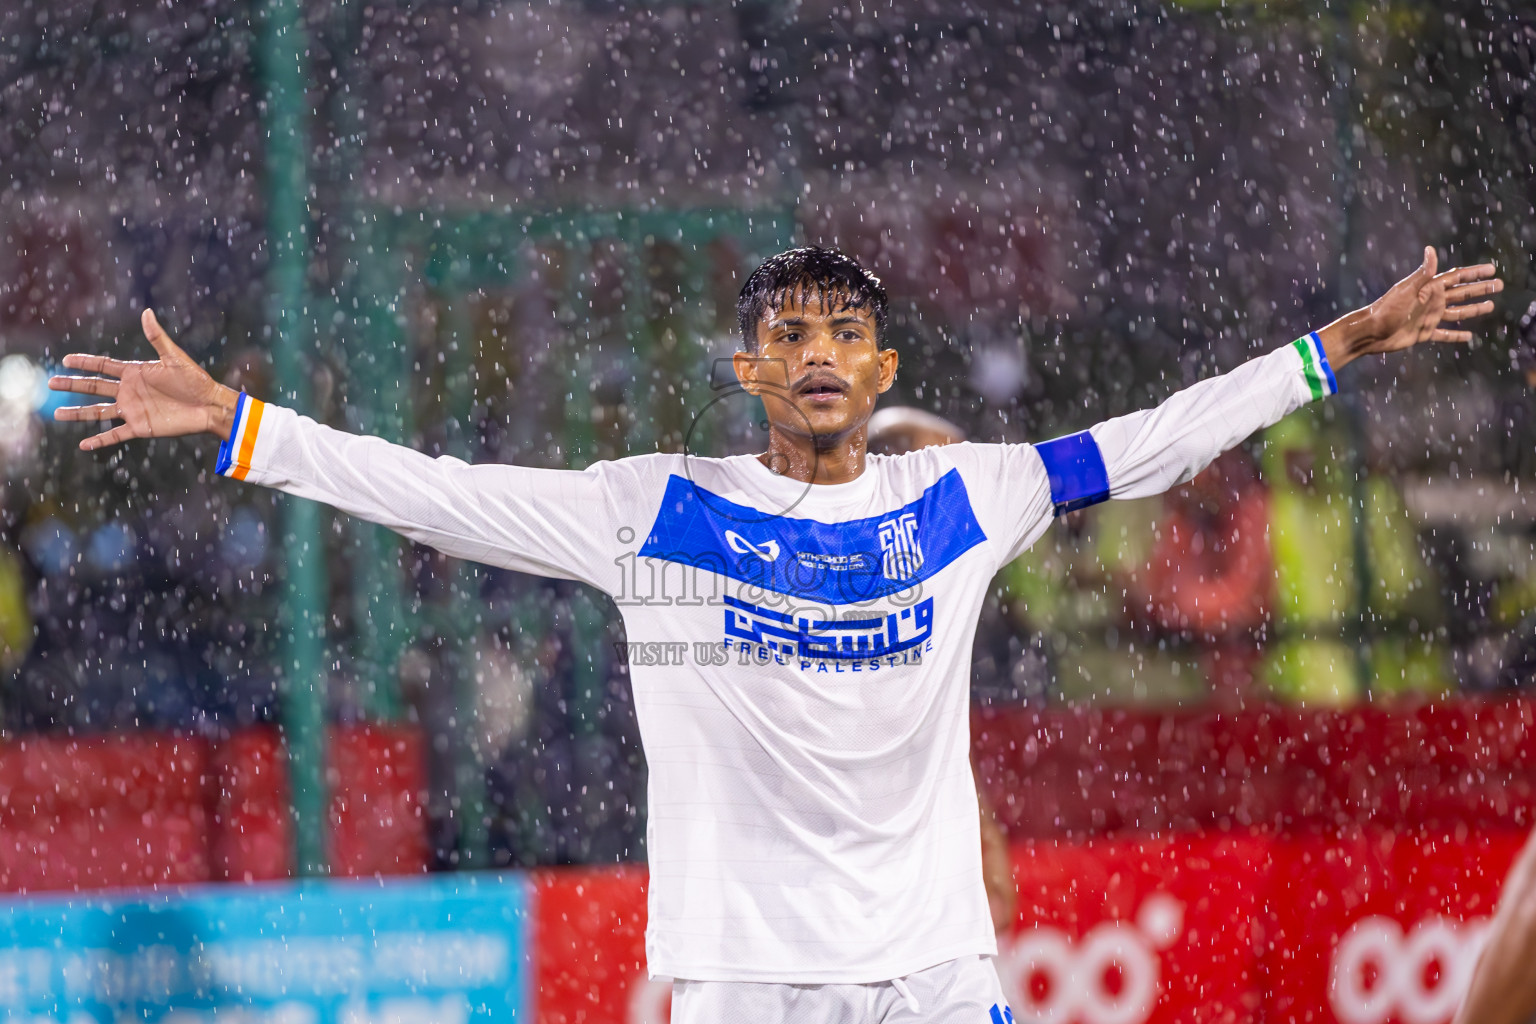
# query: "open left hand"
[[1416, 309]]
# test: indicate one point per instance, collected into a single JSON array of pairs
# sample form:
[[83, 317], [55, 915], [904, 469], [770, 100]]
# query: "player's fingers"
[[1431, 261], [95, 364], [1454, 313], [1463, 292], [85, 385], [1441, 334], [157, 336], [104, 411], [1459, 275], [117, 435]]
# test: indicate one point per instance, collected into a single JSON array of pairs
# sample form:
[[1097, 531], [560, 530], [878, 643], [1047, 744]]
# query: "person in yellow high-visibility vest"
[[1083, 589], [1312, 537], [1403, 601]]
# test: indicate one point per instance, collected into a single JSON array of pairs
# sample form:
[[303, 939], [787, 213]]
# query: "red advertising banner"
[[1136, 932], [1377, 927], [1076, 772], [378, 824], [104, 811], [1364, 928], [589, 949]]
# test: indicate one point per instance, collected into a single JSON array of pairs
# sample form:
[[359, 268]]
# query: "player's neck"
[[816, 460]]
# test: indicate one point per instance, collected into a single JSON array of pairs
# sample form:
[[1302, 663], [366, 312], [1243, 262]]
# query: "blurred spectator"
[[1210, 566], [1403, 599], [1235, 578], [1210, 574], [566, 777], [1083, 589], [1317, 580], [1512, 601], [1311, 538]]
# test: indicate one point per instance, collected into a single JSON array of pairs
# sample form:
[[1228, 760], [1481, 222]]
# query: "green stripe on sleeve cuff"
[[1309, 368]]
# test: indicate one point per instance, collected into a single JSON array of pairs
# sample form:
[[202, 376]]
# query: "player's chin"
[[828, 417]]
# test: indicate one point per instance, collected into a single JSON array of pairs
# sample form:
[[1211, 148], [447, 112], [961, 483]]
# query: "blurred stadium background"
[[1263, 748]]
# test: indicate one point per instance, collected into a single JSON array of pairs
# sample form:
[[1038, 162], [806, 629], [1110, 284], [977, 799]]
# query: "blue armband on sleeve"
[[1076, 471]]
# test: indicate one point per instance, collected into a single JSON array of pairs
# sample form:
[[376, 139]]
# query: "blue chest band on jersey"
[[835, 563], [1076, 471]]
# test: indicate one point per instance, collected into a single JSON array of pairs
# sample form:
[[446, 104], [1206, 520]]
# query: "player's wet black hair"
[[835, 279]]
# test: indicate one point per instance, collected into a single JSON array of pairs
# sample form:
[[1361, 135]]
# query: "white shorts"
[[963, 991]]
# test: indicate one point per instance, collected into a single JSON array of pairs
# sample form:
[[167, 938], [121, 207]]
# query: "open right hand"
[[168, 397]]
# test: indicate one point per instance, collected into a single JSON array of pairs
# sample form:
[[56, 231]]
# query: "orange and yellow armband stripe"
[[235, 454]]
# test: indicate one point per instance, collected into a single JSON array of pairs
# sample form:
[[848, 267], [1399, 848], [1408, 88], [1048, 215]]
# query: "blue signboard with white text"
[[447, 950]]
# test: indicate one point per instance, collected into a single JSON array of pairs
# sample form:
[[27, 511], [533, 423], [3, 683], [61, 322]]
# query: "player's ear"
[[888, 360], [745, 364]]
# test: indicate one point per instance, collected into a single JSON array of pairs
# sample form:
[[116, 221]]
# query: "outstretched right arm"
[[549, 522]]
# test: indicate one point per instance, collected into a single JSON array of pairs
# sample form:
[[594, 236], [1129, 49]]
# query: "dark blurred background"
[[514, 231]]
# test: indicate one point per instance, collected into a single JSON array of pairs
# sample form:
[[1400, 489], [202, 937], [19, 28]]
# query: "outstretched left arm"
[[1147, 452]]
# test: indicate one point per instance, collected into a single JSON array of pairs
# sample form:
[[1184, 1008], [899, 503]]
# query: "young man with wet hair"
[[813, 828]]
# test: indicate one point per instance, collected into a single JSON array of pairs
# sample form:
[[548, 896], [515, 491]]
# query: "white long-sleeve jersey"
[[799, 654]]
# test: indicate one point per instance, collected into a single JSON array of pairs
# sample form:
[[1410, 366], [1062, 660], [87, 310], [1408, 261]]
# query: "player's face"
[[818, 369]]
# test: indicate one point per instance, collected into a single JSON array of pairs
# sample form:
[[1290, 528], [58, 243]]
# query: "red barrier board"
[[1364, 928], [252, 835], [375, 776], [589, 948], [1113, 932], [102, 812], [1312, 866], [1087, 771], [145, 809], [1379, 928], [1137, 932], [378, 826]]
